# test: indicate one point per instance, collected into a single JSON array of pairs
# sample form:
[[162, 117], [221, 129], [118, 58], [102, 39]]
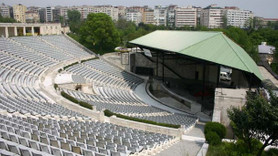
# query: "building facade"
[[171, 15], [212, 17], [49, 14], [148, 16], [237, 18], [19, 13], [5, 10], [31, 29], [186, 16], [32, 17], [160, 15], [135, 17]]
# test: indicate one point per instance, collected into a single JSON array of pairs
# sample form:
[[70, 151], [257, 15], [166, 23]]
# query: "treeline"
[[100, 34]]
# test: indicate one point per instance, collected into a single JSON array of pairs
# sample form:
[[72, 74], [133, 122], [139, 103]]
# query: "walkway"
[[268, 75], [182, 148]]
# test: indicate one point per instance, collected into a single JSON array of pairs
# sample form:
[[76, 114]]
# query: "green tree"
[[125, 28], [74, 20], [6, 19], [99, 33], [257, 119], [225, 21]]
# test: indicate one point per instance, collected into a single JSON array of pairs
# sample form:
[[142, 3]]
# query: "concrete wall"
[[45, 29], [147, 127], [224, 100]]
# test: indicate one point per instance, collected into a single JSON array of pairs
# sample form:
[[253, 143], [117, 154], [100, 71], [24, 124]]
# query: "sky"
[[262, 8]]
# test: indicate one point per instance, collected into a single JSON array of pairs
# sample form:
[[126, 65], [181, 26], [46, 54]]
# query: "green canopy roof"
[[210, 46]]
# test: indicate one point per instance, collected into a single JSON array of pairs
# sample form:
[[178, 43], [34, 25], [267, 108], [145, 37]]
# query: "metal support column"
[[204, 81], [163, 67], [157, 64], [218, 76]]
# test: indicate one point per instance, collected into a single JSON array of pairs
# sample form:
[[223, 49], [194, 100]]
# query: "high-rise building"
[[212, 17], [135, 17], [64, 12], [148, 16], [5, 10], [186, 16], [160, 15], [236, 17], [32, 17], [49, 14], [33, 8], [122, 12], [56, 12], [111, 11], [84, 10], [42, 13], [19, 13], [171, 16]]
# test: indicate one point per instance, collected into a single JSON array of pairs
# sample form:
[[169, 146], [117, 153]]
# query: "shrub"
[[213, 138], [72, 99], [216, 127], [55, 86], [70, 65], [109, 114], [272, 152], [89, 59], [85, 104]]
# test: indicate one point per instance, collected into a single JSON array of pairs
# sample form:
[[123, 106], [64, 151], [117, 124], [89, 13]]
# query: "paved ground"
[[182, 148], [197, 131]]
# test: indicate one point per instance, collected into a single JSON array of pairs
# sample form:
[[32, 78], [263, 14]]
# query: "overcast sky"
[[264, 8]]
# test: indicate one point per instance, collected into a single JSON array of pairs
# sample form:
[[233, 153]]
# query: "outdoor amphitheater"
[[37, 120]]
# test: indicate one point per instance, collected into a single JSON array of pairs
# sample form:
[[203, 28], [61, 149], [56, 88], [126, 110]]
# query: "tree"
[[6, 19], [74, 20], [99, 33], [258, 119]]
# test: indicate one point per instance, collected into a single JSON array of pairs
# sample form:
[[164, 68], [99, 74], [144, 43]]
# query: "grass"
[[74, 100], [109, 113]]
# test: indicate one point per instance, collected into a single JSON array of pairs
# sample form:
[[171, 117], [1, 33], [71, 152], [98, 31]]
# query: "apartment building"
[[19, 13], [160, 15], [212, 17], [171, 15], [186, 16], [135, 17], [5, 10], [148, 16], [236, 17]]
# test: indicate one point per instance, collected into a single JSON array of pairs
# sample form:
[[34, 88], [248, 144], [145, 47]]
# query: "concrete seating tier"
[[64, 44], [12, 104], [38, 45], [96, 75], [102, 66], [138, 110], [11, 48], [41, 136]]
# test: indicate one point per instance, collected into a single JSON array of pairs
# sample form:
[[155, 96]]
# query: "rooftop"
[[208, 46]]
